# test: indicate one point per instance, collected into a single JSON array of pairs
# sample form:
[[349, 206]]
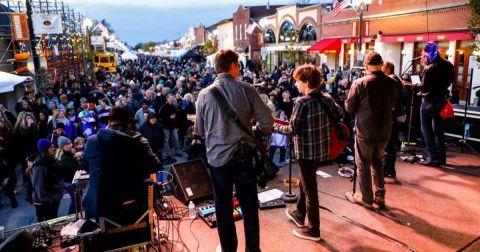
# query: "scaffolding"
[[64, 53]]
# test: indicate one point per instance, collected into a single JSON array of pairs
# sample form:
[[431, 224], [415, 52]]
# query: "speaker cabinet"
[[191, 182]]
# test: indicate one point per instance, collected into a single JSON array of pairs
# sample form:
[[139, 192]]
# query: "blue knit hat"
[[43, 145], [62, 141], [431, 52]]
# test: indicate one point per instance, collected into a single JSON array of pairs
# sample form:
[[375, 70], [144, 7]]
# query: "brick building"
[[399, 29], [247, 34]]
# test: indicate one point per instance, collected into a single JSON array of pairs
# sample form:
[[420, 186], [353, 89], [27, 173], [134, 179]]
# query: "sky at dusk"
[[143, 20]]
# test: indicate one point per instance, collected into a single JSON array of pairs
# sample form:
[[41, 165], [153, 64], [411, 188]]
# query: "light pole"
[[360, 6]]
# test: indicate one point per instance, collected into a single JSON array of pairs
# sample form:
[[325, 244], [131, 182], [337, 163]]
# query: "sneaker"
[[292, 215], [357, 198], [305, 233], [391, 180], [380, 201]]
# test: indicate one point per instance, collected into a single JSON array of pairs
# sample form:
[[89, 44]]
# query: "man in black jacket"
[[152, 130], [118, 160], [47, 181], [168, 115], [437, 77]]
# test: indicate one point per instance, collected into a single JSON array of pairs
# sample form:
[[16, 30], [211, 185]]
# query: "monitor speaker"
[[191, 181]]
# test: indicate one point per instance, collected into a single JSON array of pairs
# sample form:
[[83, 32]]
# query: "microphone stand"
[[290, 197], [412, 99]]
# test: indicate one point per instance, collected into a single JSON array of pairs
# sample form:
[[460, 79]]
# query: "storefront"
[[453, 46]]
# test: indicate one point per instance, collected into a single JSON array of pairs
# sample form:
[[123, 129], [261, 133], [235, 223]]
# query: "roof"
[[223, 21], [258, 12]]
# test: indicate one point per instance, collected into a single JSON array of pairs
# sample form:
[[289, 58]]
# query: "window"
[[269, 37], [287, 32], [308, 33], [245, 30]]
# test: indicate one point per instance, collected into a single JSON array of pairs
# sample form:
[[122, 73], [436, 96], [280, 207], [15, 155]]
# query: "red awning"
[[423, 37], [328, 45]]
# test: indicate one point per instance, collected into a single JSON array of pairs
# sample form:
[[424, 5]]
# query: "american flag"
[[339, 6]]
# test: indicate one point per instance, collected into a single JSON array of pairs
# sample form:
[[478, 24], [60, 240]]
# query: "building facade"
[[289, 32], [399, 29], [224, 34], [247, 33]]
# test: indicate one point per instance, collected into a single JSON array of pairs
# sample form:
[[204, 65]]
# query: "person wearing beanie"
[[47, 182], [438, 76], [68, 165], [142, 114], [152, 130], [57, 133], [372, 99]]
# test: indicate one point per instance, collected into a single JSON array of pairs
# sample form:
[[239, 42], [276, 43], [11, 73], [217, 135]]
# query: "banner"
[[19, 26], [96, 40], [47, 24]]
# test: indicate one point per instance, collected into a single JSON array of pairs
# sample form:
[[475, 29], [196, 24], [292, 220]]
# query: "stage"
[[431, 209]]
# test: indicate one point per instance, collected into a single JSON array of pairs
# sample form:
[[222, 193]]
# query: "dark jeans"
[[368, 156], [47, 210], [9, 188], [71, 192], [391, 152], [307, 205], [239, 172], [432, 127], [283, 152]]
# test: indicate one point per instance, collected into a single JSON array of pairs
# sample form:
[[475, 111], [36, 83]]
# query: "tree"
[[474, 22], [138, 46], [208, 48], [293, 51], [147, 45]]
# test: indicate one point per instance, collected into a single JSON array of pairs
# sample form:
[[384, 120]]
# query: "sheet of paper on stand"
[[269, 195], [323, 174]]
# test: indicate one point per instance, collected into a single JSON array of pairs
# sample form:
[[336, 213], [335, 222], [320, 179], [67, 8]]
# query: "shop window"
[[308, 33], [287, 32], [269, 37]]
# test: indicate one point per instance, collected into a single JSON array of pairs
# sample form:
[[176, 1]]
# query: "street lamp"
[[360, 6]]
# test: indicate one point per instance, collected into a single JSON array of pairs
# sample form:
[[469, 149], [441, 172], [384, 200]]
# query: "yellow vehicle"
[[105, 60]]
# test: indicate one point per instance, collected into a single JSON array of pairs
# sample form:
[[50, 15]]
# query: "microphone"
[[419, 57]]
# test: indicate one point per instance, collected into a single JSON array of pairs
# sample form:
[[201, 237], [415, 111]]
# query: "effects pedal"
[[206, 210]]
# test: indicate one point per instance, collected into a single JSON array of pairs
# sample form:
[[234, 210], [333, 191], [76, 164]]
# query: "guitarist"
[[310, 125], [229, 148]]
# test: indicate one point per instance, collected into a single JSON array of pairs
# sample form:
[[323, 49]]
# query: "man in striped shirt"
[[310, 126]]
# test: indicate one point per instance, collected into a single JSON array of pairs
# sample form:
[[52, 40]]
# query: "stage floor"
[[431, 209]]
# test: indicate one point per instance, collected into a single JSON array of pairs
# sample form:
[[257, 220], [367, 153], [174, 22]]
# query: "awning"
[[9, 81], [424, 37], [328, 45]]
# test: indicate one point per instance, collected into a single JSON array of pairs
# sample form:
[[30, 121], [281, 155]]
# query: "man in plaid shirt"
[[310, 126]]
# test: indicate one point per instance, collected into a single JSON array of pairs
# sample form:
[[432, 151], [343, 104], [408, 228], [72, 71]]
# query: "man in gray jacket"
[[371, 98], [228, 163]]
